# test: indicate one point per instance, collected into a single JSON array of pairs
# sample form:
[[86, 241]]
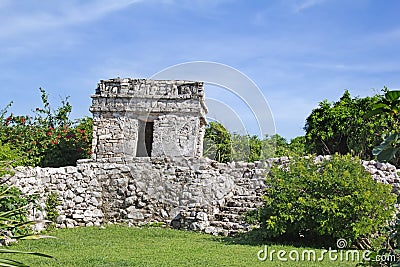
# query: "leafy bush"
[[14, 224], [217, 142], [246, 148], [12, 202], [8, 157], [344, 127], [49, 138], [332, 199], [15, 205], [390, 106], [294, 148], [387, 151], [223, 146], [52, 202]]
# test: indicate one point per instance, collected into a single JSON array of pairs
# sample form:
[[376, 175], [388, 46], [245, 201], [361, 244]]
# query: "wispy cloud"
[[367, 67], [56, 15], [307, 4]]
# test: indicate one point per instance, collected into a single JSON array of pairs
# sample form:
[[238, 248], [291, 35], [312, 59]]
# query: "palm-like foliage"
[[390, 105], [12, 221]]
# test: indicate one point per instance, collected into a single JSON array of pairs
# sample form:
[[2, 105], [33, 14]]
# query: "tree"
[[389, 105], [343, 127], [217, 142], [297, 146], [246, 148], [223, 146]]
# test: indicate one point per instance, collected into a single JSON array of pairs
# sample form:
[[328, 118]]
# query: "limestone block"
[[135, 214], [78, 199]]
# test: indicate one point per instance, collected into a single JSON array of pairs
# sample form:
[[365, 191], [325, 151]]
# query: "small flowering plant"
[[48, 138]]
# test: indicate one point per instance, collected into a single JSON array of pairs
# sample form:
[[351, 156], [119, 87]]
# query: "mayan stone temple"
[[147, 166], [148, 118]]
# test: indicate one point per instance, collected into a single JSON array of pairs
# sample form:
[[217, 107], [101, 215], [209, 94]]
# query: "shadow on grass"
[[257, 237]]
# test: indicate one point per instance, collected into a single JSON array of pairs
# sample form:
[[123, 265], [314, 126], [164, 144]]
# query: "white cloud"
[[307, 4], [367, 67], [55, 16]]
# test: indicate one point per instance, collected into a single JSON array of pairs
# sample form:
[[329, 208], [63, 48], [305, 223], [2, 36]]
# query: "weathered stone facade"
[[138, 117]]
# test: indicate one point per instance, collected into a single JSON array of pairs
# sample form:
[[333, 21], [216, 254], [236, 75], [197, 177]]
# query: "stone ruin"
[[148, 118], [147, 166]]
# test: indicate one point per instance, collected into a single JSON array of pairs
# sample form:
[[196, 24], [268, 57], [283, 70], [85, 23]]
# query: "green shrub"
[[332, 199], [49, 138], [15, 205], [8, 157], [223, 146], [14, 223], [12, 203], [217, 142], [294, 148], [52, 202], [344, 127]]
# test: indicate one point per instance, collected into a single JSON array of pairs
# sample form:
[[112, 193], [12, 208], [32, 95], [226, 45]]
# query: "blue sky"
[[297, 52]]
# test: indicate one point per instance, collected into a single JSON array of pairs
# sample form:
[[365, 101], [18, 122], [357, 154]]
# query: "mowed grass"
[[124, 246]]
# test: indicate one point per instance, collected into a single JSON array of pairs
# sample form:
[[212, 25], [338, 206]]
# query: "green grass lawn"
[[123, 246]]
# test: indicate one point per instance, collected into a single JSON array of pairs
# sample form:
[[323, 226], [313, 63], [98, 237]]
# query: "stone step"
[[232, 203], [227, 217], [247, 198], [227, 225], [221, 231], [231, 227], [236, 210]]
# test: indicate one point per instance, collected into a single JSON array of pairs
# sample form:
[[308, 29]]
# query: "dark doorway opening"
[[149, 137], [145, 139]]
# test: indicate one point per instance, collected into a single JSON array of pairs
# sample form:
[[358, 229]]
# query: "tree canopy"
[[345, 127]]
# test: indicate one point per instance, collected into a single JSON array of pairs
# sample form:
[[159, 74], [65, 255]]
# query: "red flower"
[[23, 120], [54, 142], [48, 133], [69, 136]]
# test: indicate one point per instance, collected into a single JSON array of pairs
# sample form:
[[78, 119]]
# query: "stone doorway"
[[145, 139]]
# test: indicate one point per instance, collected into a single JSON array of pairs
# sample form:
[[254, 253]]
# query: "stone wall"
[[187, 193], [195, 193]]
